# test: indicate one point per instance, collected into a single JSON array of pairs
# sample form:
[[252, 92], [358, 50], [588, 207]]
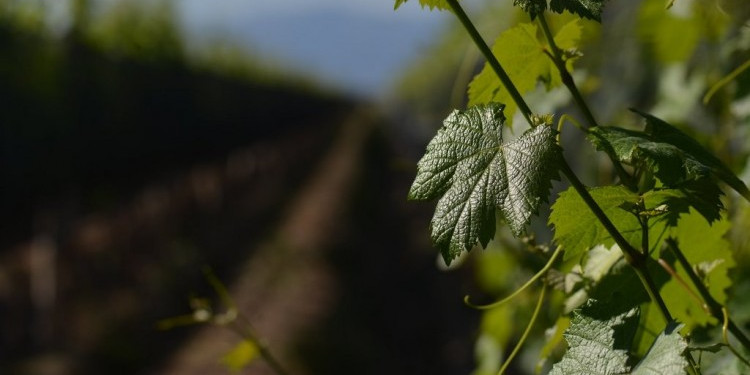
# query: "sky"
[[356, 45]]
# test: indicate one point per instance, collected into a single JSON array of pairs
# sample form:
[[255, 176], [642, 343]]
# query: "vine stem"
[[526, 332], [636, 259], [240, 324], [567, 80], [518, 291], [714, 306], [491, 59]]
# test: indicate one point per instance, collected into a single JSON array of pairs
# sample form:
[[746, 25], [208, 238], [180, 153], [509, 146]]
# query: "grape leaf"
[[577, 229], [521, 53], [673, 156], [702, 244], [475, 172], [665, 355], [705, 247], [432, 4], [598, 340], [591, 9]]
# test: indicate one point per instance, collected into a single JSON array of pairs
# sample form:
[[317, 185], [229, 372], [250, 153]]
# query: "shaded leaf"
[[676, 159], [477, 174], [666, 133]]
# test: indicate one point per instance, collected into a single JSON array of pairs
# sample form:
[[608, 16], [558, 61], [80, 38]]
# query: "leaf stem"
[[636, 259], [240, 324], [633, 256], [722, 82], [247, 332], [515, 351], [518, 291], [714, 306], [726, 339], [491, 59], [567, 80]]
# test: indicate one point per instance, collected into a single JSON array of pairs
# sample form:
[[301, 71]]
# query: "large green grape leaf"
[[477, 174], [591, 9], [432, 4], [600, 338], [598, 341], [522, 55]]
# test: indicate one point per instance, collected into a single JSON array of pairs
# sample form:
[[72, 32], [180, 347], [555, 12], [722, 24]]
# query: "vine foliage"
[[646, 262]]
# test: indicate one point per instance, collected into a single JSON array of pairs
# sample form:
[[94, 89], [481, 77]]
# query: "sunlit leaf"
[[598, 341], [665, 356], [477, 175]]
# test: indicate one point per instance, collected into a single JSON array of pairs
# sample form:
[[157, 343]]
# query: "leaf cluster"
[[626, 305]]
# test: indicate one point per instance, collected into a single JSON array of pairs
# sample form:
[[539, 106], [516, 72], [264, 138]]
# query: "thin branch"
[[491, 59], [518, 291], [515, 351], [714, 306], [567, 80]]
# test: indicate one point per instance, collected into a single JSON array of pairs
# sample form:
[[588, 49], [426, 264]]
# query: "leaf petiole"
[[513, 354], [518, 291], [491, 59]]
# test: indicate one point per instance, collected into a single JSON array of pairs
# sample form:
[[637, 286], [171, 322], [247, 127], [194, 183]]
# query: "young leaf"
[[432, 4], [598, 341], [521, 53], [476, 173], [665, 355], [577, 229], [591, 9]]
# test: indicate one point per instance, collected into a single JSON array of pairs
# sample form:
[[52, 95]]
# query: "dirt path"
[[286, 286]]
